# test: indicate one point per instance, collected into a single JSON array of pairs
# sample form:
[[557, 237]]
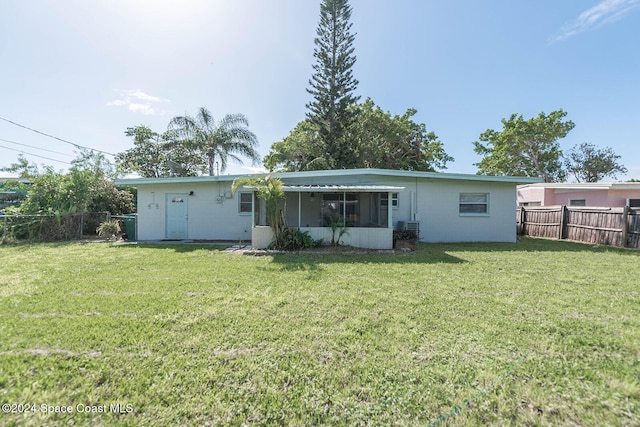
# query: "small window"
[[384, 200], [577, 202], [177, 200], [245, 203], [474, 204]]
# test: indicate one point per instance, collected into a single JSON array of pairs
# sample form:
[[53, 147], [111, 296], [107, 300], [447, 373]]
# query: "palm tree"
[[269, 189], [229, 137]]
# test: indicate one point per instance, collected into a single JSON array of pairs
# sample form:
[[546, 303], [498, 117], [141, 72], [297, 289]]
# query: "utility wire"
[[55, 137], [31, 154], [37, 148]]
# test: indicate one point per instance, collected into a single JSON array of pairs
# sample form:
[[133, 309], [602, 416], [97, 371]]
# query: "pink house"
[[612, 194]]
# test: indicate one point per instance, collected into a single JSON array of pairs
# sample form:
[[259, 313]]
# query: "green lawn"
[[533, 333]]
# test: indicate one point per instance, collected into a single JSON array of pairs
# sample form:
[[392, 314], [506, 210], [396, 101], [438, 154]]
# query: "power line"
[[37, 148], [55, 137], [36, 155]]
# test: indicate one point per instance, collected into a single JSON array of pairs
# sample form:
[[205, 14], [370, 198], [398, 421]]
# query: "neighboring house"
[[444, 207], [9, 195], [615, 194]]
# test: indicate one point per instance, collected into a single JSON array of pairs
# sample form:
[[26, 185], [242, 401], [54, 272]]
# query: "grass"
[[534, 333]]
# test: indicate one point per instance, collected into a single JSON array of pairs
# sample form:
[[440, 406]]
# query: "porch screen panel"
[[341, 208]]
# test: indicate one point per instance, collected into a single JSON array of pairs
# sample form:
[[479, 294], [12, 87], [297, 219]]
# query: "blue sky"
[[85, 71]]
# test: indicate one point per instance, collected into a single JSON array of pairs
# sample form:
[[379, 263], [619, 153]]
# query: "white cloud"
[[139, 102], [254, 169], [605, 12]]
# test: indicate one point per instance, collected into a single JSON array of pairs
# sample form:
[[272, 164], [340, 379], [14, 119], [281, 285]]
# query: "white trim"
[[335, 173], [486, 203], [389, 210], [240, 203]]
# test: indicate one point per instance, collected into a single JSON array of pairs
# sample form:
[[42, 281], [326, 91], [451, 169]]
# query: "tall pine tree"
[[332, 83]]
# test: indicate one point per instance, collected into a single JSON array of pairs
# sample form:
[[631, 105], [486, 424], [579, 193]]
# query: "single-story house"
[[442, 207], [612, 194]]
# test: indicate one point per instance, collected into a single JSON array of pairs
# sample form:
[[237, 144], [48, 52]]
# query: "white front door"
[[177, 215]]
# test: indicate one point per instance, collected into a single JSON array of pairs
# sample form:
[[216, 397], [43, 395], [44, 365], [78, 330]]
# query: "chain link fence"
[[50, 228]]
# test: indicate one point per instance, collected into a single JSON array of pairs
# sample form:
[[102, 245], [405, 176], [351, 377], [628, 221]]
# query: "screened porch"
[[365, 210]]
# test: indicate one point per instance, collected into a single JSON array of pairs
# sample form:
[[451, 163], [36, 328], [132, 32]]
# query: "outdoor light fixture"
[[191, 193]]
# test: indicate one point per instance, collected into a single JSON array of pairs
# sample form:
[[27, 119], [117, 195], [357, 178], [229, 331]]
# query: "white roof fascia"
[[179, 179], [336, 173], [408, 174]]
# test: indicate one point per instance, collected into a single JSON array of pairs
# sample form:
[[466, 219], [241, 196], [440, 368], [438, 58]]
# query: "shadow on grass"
[[310, 260], [426, 252], [529, 244], [178, 247], [433, 253]]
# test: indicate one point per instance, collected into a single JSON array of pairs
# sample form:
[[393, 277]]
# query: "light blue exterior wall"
[[432, 199]]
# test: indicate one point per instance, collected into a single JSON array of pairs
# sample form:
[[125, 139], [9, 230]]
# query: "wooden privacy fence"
[[603, 226]]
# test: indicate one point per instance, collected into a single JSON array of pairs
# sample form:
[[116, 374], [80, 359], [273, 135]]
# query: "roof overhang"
[[357, 174], [341, 188]]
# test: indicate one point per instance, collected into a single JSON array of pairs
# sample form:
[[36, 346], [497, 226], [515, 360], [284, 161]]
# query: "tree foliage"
[[87, 187], [525, 147], [153, 153], [588, 163], [302, 150], [378, 140], [96, 162], [191, 146], [75, 192], [22, 167], [332, 83], [214, 141], [387, 141]]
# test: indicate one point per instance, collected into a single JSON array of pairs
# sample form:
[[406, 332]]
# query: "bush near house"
[[64, 206]]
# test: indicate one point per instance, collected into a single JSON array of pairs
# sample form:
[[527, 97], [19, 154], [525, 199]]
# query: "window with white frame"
[[474, 204], [577, 202], [244, 203], [384, 200]]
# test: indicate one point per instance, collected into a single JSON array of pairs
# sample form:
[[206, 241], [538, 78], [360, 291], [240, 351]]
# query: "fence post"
[[625, 227], [562, 221], [4, 227], [81, 224]]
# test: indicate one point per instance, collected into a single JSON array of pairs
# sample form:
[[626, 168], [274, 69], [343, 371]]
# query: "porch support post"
[[253, 209], [390, 210], [299, 209], [344, 209]]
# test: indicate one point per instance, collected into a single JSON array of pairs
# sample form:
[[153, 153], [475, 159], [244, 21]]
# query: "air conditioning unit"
[[413, 226], [409, 225]]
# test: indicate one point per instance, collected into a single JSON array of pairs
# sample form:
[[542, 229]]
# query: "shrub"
[[110, 229], [405, 235], [292, 239]]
